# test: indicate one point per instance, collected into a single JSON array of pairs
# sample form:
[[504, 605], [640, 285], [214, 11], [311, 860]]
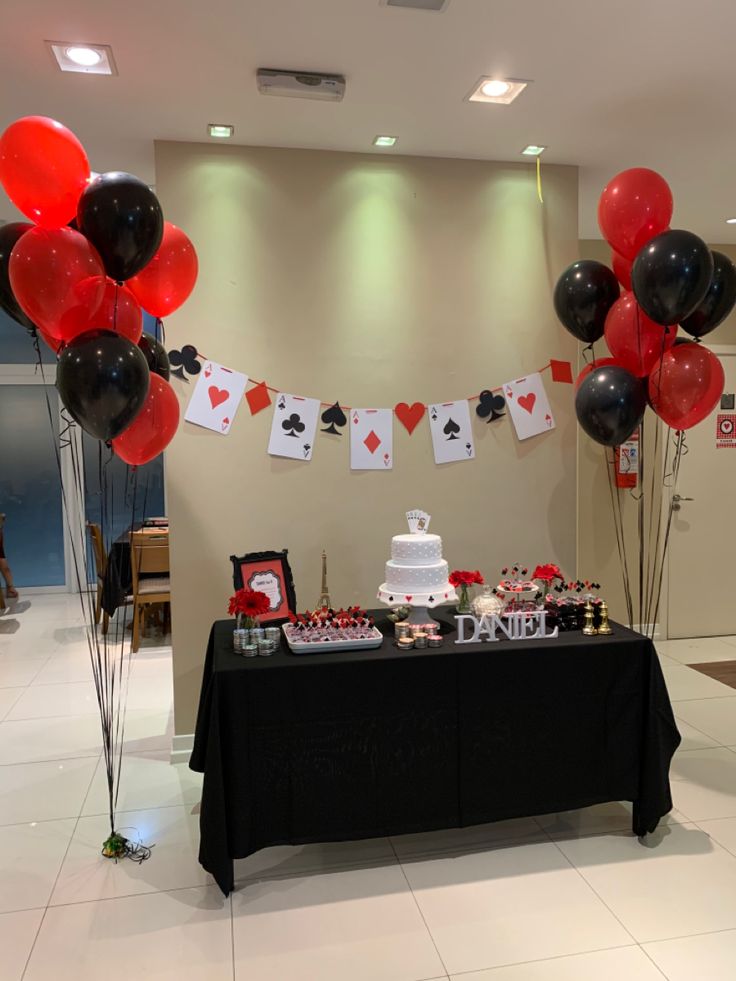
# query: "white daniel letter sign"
[[516, 626]]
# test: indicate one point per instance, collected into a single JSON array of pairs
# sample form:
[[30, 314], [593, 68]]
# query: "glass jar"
[[487, 604]]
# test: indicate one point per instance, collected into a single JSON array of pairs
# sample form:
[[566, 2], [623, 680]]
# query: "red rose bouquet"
[[546, 574], [248, 604], [463, 580]]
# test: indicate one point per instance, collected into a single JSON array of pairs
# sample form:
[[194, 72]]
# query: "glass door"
[[30, 489]]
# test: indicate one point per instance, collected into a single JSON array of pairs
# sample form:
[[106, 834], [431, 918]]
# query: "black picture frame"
[[278, 564]]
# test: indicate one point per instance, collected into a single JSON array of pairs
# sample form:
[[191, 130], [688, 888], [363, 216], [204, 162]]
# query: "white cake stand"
[[419, 603]]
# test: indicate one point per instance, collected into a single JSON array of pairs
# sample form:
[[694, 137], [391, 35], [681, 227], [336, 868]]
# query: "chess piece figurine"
[[588, 629], [605, 626], [324, 596]]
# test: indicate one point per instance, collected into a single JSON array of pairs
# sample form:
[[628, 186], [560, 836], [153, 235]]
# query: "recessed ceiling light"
[[385, 141], [436, 5], [731, 221], [502, 91], [90, 59], [220, 131], [533, 150], [495, 87]]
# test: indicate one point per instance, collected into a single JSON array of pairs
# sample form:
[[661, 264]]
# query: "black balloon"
[[671, 275], [122, 218], [155, 354], [9, 235], [103, 381], [718, 302], [610, 404], [584, 294]]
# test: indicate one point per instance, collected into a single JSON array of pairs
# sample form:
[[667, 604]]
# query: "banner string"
[[252, 383]]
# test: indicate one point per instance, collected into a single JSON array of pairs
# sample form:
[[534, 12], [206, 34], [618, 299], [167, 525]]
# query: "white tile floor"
[[563, 897]]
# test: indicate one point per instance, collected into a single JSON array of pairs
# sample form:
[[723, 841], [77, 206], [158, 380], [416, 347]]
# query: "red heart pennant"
[[217, 395], [527, 401], [409, 415]]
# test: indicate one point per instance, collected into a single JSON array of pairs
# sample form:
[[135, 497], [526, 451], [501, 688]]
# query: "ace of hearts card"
[[371, 439], [293, 427], [216, 398], [528, 406], [452, 437]]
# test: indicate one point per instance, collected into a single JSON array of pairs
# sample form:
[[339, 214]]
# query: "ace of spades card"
[[371, 439], [217, 397], [293, 427], [452, 437], [528, 406]]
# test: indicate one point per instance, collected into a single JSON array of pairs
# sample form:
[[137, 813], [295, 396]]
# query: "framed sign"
[[269, 573]]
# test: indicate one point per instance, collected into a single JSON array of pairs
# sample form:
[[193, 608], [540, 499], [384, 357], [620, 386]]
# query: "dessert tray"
[[321, 642], [324, 630]]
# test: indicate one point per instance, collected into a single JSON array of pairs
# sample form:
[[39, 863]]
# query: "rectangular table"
[[328, 747]]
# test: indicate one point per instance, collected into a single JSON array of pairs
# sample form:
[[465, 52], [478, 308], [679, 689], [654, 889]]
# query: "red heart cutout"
[[527, 401], [217, 395], [408, 599], [409, 415]]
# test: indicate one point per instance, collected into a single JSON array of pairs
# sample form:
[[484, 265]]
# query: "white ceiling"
[[617, 83]]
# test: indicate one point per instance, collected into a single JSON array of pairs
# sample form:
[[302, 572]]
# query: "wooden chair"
[[149, 553], [95, 534]]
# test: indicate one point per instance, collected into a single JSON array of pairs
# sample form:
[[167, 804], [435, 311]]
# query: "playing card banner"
[[371, 439], [217, 397], [528, 406], [452, 438], [294, 426]]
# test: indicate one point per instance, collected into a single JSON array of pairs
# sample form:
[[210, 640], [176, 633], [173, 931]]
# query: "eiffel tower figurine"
[[324, 596]]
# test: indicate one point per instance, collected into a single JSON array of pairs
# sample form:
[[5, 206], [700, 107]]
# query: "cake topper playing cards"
[[294, 426], [528, 406], [418, 521], [216, 398]]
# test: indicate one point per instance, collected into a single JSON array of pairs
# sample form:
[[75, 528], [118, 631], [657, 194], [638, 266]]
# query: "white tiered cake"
[[416, 573]]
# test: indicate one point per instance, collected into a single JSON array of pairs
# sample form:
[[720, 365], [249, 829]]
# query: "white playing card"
[[528, 406], [217, 397], [293, 427], [452, 436], [371, 439]]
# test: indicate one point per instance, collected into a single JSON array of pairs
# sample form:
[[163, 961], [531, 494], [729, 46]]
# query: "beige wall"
[[370, 280]]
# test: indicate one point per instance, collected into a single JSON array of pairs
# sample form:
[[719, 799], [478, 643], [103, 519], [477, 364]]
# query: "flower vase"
[[464, 605], [244, 622]]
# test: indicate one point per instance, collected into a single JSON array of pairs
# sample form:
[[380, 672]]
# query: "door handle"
[[676, 498]]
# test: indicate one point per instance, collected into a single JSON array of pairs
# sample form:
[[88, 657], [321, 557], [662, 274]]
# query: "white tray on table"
[[324, 646]]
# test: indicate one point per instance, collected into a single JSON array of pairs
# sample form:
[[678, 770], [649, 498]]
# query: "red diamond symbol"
[[258, 398], [372, 442]]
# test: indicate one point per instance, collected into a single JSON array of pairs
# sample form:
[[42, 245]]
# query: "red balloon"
[[634, 207], [168, 279], [687, 386], [58, 279], [153, 428], [120, 312], [635, 341], [44, 169], [621, 269], [594, 366]]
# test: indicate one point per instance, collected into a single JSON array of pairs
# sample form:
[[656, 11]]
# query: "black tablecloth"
[[325, 747]]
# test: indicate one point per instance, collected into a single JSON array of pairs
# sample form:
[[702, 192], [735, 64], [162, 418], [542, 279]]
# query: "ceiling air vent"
[[418, 4]]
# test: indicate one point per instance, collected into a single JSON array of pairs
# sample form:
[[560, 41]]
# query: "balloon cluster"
[[63, 277], [669, 278]]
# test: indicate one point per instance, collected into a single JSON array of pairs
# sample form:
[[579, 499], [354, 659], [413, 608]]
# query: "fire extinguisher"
[[627, 462]]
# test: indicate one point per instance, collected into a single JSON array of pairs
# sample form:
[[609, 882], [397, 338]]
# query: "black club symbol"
[[185, 361]]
